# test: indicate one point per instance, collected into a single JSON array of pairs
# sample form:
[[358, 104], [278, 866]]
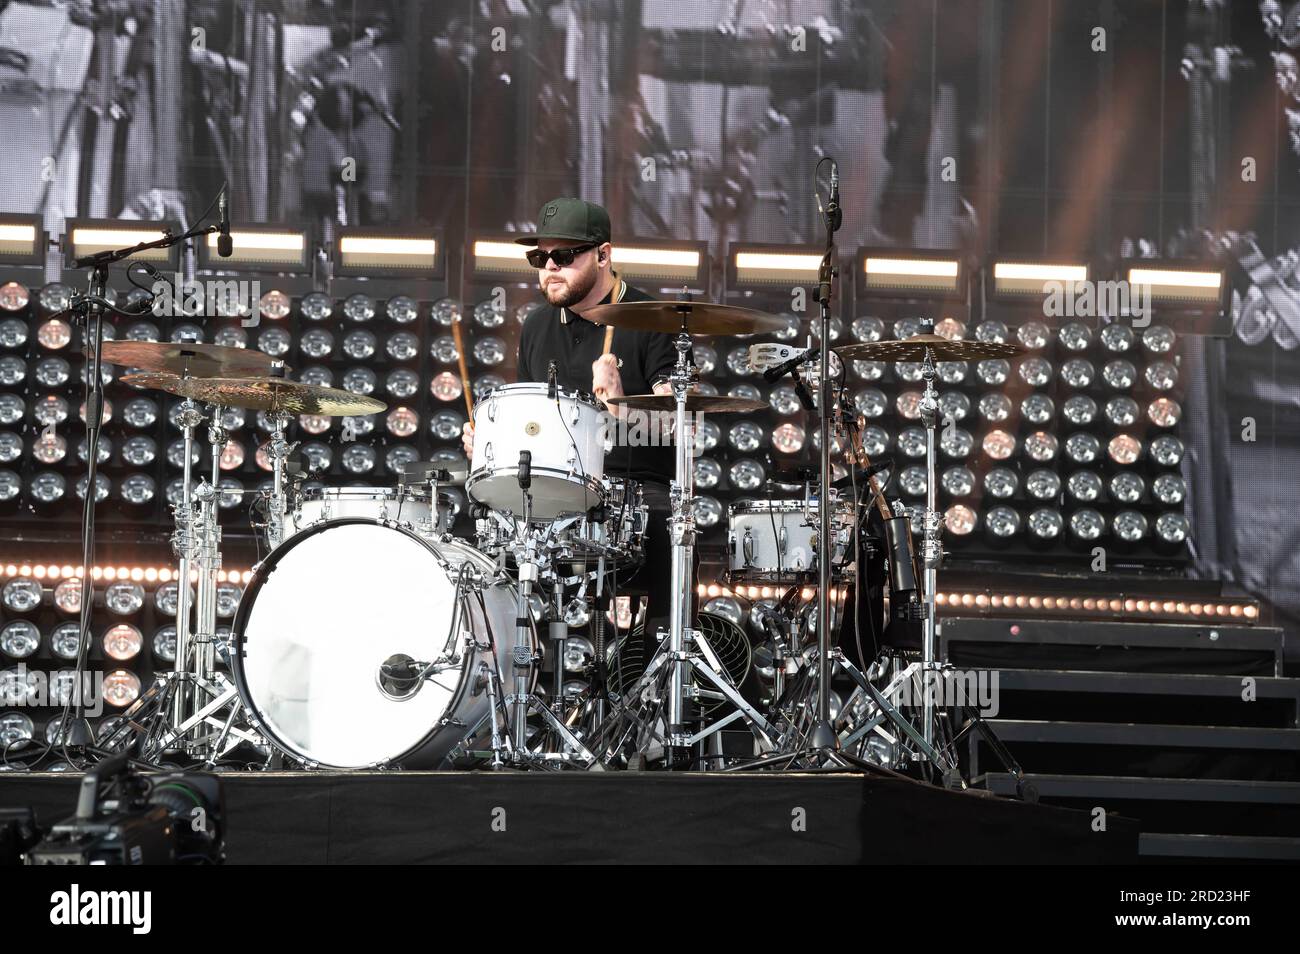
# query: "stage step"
[[1111, 646], [1219, 847], [1181, 818], [1193, 751]]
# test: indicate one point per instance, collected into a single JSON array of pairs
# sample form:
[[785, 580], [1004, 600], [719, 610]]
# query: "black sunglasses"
[[562, 256]]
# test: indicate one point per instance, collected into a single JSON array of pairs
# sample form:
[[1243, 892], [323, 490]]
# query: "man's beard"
[[573, 293]]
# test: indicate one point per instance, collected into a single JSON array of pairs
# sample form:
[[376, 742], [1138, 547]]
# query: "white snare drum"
[[776, 541], [409, 506], [565, 436], [331, 621]]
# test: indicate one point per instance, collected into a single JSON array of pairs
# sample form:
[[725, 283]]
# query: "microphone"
[[551, 374], [225, 246], [834, 215], [864, 474], [785, 367]]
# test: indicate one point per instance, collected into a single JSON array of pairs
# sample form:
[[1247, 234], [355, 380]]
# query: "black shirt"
[[574, 344]]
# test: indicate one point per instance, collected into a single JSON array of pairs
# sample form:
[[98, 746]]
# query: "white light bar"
[[920, 276], [17, 239], [89, 240], [1173, 286], [776, 267], [388, 252], [1028, 278], [261, 248]]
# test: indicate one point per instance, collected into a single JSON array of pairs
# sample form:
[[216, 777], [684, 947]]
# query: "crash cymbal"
[[262, 394], [701, 317], [189, 359], [695, 403], [914, 349]]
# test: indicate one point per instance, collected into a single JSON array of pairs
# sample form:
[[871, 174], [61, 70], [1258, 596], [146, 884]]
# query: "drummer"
[[574, 261]]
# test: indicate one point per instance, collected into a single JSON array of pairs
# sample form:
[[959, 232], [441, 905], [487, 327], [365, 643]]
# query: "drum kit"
[[372, 638]]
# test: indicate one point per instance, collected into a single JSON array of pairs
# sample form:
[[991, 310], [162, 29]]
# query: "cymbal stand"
[[931, 545], [654, 712], [278, 449]]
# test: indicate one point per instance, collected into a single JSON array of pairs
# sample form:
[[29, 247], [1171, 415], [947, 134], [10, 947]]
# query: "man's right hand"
[[467, 439]]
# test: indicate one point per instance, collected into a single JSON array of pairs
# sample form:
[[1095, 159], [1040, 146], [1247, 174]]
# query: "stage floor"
[[615, 817]]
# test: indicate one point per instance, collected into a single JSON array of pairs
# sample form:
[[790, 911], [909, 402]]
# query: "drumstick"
[[609, 339], [464, 368]]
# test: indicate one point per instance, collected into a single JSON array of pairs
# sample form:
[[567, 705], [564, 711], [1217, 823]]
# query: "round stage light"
[[404, 346], [1080, 410], [318, 456], [578, 653], [1002, 521], [708, 473], [1169, 489], [143, 331], [1161, 375], [869, 370], [1158, 339], [747, 474], [959, 519], [65, 640], [1084, 485], [992, 331], [909, 371], [707, 436], [1127, 487], [121, 688], [317, 375], [1164, 412], [746, 391], [958, 481], [1122, 411], [19, 639], [875, 440], [359, 458], [13, 296], [993, 372], [67, 596], [1087, 524], [123, 642], [54, 334], [995, 407], [911, 442], [913, 480], [867, 328], [124, 599], [1043, 484], [13, 371], [11, 486], [16, 731], [788, 438], [1082, 447], [402, 422], [1119, 374], [1041, 447], [446, 387], [316, 343], [359, 307], [49, 448], [1046, 523], [274, 305], [164, 644], [1034, 335], [871, 402], [999, 444], [139, 451], [47, 487], [1037, 409], [364, 381], [1001, 482], [274, 342], [396, 458], [908, 405], [1075, 336], [12, 409], [1117, 338], [956, 442], [952, 372], [745, 436], [21, 595], [485, 385], [1124, 449], [953, 405], [1129, 525], [707, 511], [1036, 372]]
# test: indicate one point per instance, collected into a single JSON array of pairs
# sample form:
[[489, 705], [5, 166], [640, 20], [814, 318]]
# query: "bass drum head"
[[323, 613]]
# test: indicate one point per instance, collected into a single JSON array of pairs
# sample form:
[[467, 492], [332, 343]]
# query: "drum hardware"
[[684, 659]]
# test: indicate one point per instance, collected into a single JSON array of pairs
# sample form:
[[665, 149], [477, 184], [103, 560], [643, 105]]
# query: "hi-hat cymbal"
[[189, 359], [699, 317], [914, 349], [262, 394], [695, 403]]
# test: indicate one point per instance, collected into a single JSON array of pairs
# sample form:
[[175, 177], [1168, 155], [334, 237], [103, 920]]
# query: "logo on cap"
[[551, 210]]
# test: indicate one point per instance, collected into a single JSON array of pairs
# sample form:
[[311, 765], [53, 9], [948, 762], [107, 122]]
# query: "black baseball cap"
[[570, 219]]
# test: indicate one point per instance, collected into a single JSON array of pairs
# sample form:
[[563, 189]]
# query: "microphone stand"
[[92, 306], [823, 735]]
